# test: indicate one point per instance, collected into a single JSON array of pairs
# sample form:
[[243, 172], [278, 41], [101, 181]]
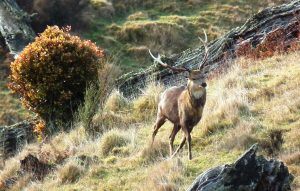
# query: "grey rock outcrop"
[[13, 138], [248, 173], [14, 26]]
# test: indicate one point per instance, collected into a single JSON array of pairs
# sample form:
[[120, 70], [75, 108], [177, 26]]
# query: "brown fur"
[[183, 106]]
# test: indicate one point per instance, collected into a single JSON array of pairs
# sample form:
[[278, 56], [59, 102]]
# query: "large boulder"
[[249, 172]]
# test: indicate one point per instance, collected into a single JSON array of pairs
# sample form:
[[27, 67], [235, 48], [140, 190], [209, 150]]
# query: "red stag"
[[183, 106]]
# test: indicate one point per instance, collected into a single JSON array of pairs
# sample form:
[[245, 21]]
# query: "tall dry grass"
[[120, 112], [96, 95], [226, 101], [164, 176], [240, 111]]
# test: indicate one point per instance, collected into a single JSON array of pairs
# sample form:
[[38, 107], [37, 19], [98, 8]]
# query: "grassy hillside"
[[255, 101], [128, 29], [168, 26]]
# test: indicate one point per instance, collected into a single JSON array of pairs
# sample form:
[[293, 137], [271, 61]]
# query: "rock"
[[14, 26], [32, 165], [13, 138], [249, 172], [275, 25]]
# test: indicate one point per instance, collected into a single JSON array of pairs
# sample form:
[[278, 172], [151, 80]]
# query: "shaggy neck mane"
[[196, 102]]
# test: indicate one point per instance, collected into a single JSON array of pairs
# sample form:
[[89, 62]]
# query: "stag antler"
[[175, 69], [204, 42]]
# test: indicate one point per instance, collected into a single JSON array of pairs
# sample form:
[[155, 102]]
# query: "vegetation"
[[96, 95], [11, 110], [255, 101], [108, 148], [165, 26], [129, 30], [52, 72]]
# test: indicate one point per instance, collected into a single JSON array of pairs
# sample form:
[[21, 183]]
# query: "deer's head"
[[196, 78]]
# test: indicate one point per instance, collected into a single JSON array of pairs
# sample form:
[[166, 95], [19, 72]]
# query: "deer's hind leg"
[[175, 130], [180, 145], [159, 122], [187, 132]]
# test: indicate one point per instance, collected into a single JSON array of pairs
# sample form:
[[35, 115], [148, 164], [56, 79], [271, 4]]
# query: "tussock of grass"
[[138, 52], [9, 169], [110, 120], [163, 33], [146, 104], [116, 102], [272, 141], [112, 140], [138, 16], [69, 172], [153, 153], [99, 3], [165, 176], [120, 112], [20, 184]]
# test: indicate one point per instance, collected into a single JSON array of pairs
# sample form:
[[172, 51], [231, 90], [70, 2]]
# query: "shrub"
[[96, 96], [52, 73]]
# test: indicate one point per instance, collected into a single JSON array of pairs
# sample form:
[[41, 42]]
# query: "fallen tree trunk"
[[14, 26], [249, 172], [277, 25]]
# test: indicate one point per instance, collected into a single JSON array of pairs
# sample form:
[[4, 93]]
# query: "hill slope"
[[165, 26], [255, 101], [128, 29]]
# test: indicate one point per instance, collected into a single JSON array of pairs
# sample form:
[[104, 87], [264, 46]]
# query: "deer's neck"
[[197, 96]]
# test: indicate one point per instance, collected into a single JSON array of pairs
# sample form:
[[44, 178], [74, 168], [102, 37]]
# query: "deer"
[[182, 105]]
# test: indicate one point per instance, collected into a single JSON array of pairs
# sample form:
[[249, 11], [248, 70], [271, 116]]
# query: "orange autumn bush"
[[52, 73]]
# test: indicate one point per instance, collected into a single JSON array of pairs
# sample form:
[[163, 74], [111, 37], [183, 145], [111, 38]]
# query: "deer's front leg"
[[172, 137]]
